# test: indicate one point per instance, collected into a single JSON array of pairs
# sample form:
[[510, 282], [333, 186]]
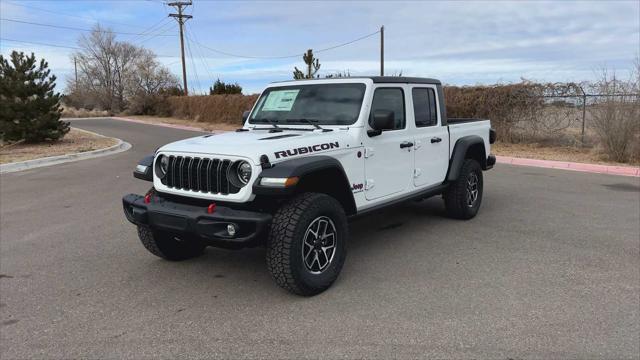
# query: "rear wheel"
[[169, 246], [307, 244], [464, 196]]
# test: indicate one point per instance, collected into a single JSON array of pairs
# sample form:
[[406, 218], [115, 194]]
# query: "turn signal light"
[[211, 208]]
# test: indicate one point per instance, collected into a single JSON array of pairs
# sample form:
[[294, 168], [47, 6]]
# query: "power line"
[[75, 28], [165, 29], [348, 42], [70, 15], [153, 27], [65, 46], [285, 56], [39, 43], [189, 35], [193, 64]]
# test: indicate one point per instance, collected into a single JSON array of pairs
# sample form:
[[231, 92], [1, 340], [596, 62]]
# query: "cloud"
[[462, 42]]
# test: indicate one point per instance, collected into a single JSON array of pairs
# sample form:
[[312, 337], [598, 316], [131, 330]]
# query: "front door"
[[389, 156]]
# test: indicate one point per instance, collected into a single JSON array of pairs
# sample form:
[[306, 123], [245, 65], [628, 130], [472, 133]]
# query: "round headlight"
[[163, 161], [244, 172]]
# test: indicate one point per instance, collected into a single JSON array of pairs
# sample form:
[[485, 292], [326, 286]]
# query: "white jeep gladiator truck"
[[311, 155]]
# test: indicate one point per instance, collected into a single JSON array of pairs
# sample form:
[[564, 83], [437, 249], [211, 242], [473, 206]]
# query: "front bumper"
[[192, 220]]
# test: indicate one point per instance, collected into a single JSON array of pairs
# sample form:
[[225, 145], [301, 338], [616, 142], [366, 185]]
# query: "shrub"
[[220, 88], [505, 105], [615, 116], [29, 107], [212, 108]]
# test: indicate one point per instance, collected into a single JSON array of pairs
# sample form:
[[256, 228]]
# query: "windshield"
[[321, 104]]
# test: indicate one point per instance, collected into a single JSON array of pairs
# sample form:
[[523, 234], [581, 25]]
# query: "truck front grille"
[[199, 174]]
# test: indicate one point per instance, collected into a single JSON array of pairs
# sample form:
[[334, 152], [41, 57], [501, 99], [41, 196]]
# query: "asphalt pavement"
[[550, 268]]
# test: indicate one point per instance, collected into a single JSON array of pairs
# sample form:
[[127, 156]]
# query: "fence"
[[581, 103]]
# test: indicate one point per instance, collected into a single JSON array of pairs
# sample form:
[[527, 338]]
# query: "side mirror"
[[245, 115], [382, 120]]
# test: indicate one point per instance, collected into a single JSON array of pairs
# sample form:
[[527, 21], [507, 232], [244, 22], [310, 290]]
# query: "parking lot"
[[550, 268]]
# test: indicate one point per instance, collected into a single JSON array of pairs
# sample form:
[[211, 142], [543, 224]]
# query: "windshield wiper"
[[270, 121], [310, 122], [273, 122]]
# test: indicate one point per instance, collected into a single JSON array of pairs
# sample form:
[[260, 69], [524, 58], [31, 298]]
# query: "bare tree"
[[616, 114], [111, 73], [148, 84]]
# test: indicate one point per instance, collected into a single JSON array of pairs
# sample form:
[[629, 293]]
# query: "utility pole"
[[382, 50], [181, 18]]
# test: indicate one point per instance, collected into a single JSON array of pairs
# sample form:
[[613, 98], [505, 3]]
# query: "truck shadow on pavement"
[[390, 233]]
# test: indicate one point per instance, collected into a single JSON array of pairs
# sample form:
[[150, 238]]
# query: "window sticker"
[[280, 100]]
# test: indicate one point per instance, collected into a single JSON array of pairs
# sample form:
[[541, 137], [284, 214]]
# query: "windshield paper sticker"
[[280, 100]]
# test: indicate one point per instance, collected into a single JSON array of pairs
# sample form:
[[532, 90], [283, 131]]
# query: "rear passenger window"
[[389, 99], [424, 107]]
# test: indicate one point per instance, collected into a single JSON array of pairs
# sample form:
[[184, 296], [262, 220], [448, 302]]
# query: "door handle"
[[406, 144], [435, 140]]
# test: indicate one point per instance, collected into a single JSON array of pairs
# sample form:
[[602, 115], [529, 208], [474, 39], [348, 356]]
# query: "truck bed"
[[467, 127], [463, 120]]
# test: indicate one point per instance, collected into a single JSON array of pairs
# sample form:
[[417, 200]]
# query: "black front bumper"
[[192, 220]]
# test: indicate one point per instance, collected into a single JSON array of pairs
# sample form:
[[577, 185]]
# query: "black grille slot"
[[197, 174]]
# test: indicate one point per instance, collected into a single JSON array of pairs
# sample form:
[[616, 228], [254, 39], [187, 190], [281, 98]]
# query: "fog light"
[[231, 230]]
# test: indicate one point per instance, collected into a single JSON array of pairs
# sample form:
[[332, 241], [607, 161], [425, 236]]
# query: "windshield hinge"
[[368, 152]]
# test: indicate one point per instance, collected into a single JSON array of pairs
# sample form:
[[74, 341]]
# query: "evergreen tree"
[[313, 65], [29, 107], [219, 88]]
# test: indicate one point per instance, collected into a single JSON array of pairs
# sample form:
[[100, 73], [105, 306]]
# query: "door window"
[[424, 107], [391, 99]]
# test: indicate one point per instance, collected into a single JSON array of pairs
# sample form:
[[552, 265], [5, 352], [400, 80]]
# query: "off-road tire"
[[455, 198], [284, 245], [167, 246]]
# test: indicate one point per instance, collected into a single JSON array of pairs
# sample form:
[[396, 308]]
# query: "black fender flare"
[[148, 174], [460, 153], [296, 167], [305, 167]]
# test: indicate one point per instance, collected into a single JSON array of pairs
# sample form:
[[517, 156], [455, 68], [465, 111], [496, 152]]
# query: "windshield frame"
[[292, 85]]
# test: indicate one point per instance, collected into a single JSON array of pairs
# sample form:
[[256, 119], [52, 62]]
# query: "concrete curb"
[[565, 165], [61, 159], [173, 126]]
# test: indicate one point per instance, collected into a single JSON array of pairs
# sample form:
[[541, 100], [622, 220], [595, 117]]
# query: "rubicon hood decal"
[[306, 149]]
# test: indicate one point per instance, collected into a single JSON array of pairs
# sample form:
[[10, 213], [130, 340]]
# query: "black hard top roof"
[[386, 79], [403, 79]]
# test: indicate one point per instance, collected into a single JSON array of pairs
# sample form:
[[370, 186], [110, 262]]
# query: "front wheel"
[[463, 197], [307, 244]]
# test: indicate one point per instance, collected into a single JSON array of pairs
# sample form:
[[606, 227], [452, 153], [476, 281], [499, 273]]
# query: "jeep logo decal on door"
[[306, 149]]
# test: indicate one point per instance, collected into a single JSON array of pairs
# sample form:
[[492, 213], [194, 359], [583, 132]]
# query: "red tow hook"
[[147, 199], [211, 208]]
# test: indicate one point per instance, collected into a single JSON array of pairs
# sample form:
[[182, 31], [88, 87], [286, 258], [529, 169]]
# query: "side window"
[[424, 107], [389, 99]]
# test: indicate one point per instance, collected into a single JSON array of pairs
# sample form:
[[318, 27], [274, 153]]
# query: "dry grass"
[[220, 126], [557, 153], [74, 142], [212, 108], [71, 112]]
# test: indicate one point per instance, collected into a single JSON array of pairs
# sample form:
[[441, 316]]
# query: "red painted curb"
[[550, 164], [565, 165]]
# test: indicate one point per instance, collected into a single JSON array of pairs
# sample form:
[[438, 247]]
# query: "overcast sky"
[[458, 42]]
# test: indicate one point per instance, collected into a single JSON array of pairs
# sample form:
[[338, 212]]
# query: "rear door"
[[431, 138], [389, 156]]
